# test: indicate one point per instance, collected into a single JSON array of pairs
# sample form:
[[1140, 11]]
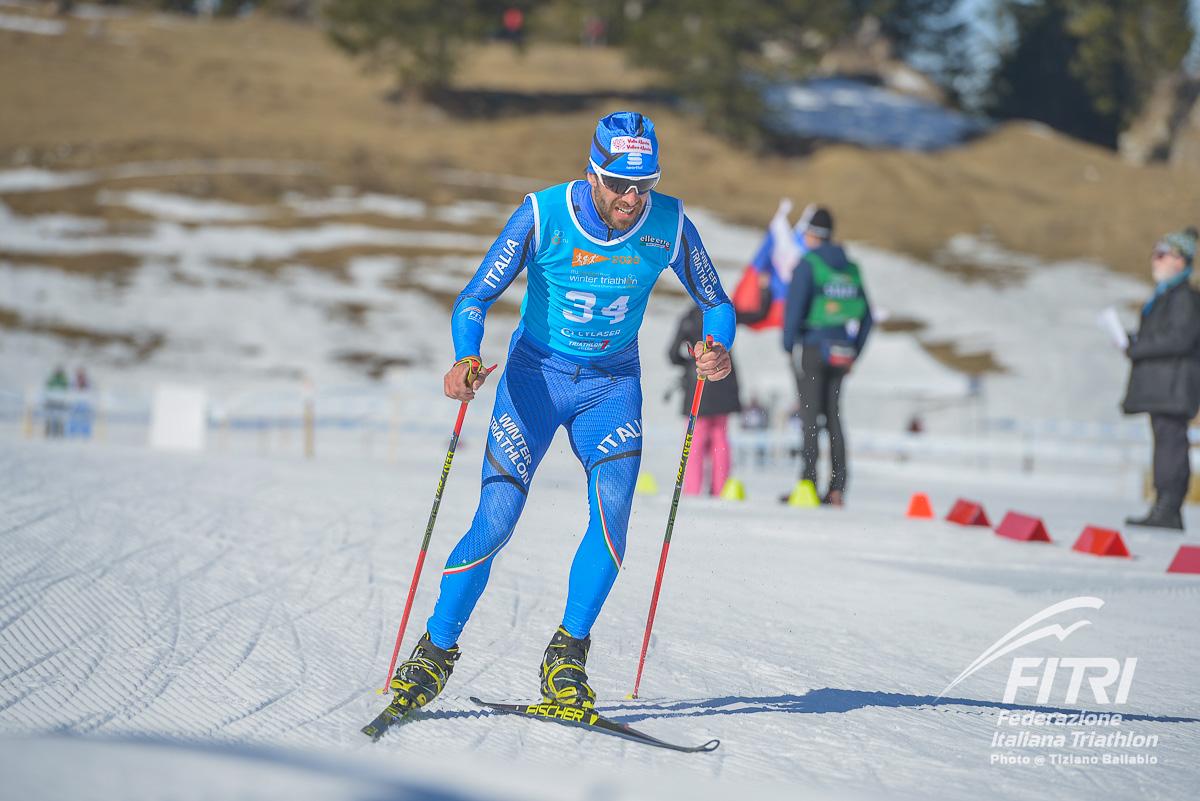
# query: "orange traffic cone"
[[919, 506]]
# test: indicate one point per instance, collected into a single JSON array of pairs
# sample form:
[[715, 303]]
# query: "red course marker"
[[1024, 528], [1100, 542], [1187, 560], [968, 513]]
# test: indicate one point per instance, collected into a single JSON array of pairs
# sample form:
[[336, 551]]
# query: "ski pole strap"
[[708, 343], [475, 362]]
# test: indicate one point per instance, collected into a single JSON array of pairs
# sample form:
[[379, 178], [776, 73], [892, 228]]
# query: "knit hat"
[[625, 144], [817, 221], [1183, 241]]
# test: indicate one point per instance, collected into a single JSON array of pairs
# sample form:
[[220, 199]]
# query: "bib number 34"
[[584, 302]]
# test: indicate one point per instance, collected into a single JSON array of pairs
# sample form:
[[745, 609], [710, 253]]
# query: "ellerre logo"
[[1045, 674]]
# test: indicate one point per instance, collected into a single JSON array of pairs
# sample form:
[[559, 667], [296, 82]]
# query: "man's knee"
[[615, 482], [500, 505]]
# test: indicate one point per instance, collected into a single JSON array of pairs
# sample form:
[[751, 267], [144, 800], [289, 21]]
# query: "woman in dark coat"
[[710, 440], [1165, 377]]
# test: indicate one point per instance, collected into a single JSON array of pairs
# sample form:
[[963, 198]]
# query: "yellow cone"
[[734, 490], [804, 495], [646, 485]]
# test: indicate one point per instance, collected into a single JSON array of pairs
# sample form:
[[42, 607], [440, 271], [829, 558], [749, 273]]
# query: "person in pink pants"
[[710, 440], [710, 444]]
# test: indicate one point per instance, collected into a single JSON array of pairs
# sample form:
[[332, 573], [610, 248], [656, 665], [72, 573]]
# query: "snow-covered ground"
[[215, 625], [181, 626], [217, 322]]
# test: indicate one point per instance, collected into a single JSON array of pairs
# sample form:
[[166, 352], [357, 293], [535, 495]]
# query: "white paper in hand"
[[1111, 323]]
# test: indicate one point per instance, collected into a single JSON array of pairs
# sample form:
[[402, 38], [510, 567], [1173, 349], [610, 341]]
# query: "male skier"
[[593, 250]]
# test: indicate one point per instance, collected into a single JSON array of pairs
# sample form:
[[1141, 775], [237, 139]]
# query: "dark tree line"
[[1086, 67]]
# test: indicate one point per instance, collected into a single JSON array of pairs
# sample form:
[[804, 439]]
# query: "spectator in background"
[[513, 23], [757, 418], [1164, 380], [595, 31], [827, 315], [79, 422], [57, 386], [710, 441]]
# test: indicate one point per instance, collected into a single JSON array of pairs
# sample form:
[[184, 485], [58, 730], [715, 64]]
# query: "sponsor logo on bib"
[[582, 258]]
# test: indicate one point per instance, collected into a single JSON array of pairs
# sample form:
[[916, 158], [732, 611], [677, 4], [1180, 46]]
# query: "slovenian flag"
[[780, 252]]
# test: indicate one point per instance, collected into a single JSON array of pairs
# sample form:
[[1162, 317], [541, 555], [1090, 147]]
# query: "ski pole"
[[437, 502], [662, 559]]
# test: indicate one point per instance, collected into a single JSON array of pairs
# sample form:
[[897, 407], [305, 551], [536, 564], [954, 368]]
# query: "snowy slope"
[[215, 626], [213, 320]]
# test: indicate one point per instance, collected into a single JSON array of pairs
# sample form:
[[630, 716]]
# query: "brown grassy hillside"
[[150, 87]]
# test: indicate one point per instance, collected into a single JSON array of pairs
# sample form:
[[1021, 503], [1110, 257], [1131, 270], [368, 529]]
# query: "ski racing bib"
[[585, 296]]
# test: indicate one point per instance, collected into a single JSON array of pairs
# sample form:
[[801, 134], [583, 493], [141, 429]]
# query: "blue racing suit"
[[572, 363]]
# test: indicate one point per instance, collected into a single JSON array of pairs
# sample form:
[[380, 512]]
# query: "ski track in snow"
[[254, 603]]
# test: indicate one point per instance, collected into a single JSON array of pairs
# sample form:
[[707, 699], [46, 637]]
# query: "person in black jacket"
[[1165, 377], [710, 440], [829, 317]]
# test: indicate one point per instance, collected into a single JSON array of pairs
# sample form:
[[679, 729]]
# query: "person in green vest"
[[57, 387], [826, 323]]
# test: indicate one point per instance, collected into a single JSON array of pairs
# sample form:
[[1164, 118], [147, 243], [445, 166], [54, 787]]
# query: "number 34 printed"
[[584, 302]]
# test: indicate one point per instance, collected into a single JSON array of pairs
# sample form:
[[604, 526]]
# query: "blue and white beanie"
[[625, 144], [1183, 242]]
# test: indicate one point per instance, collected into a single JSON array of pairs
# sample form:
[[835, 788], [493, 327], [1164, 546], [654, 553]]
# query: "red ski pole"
[[662, 559], [437, 502]]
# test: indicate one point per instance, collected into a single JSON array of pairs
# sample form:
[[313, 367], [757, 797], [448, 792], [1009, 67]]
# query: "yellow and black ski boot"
[[422, 676], [564, 673]]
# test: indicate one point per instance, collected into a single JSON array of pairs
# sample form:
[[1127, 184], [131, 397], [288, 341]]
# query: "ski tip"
[[711, 745], [631, 697]]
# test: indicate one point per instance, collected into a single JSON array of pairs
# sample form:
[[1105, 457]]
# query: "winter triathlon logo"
[[1039, 673]]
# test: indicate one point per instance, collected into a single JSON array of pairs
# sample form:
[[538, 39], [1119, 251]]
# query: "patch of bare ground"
[[141, 344], [337, 260], [970, 362], [901, 325], [107, 265], [969, 272], [375, 365]]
